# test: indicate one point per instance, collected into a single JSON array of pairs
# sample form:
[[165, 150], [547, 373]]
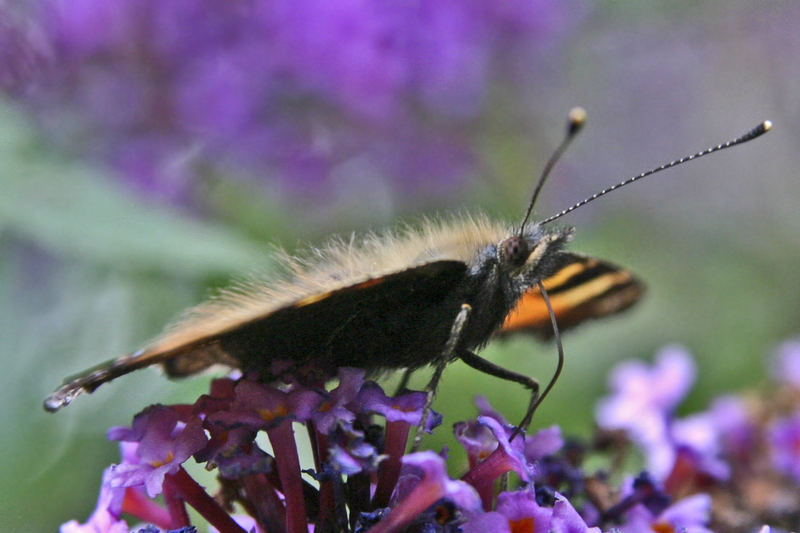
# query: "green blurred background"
[[89, 271]]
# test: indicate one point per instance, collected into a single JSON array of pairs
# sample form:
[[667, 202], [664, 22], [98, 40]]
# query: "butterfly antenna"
[[537, 399], [758, 131], [575, 121]]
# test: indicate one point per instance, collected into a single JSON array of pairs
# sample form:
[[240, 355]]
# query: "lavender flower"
[[164, 443], [256, 407], [520, 512], [333, 410], [363, 479], [710, 462], [784, 438], [23, 51], [288, 92], [406, 407], [643, 397], [424, 483], [786, 364], [690, 515], [643, 403], [735, 425], [106, 516]]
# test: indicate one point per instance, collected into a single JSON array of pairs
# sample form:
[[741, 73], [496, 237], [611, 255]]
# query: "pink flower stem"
[[423, 496], [286, 459], [136, 503], [389, 470], [482, 475], [175, 504], [327, 495], [267, 505], [193, 494]]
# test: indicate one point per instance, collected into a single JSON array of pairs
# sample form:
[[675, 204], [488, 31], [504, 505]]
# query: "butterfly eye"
[[514, 251]]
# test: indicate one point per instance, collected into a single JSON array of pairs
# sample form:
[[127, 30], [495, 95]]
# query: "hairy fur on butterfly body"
[[382, 301], [377, 302]]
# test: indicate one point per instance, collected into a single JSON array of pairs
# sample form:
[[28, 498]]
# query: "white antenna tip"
[[767, 125], [577, 116]]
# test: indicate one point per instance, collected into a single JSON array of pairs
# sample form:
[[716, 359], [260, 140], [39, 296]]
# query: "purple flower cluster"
[[23, 51], [736, 464], [220, 430], [294, 93], [361, 478], [733, 467]]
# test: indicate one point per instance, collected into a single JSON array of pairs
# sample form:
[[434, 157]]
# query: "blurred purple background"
[[151, 149]]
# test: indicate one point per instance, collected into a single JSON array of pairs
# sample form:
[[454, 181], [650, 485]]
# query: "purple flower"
[[260, 406], [544, 442], [643, 397], [106, 515], [402, 413], [515, 511], [562, 472], [406, 407], [424, 481], [477, 439], [478, 436], [735, 425], [152, 529], [165, 442], [234, 452], [299, 93], [349, 452], [643, 402], [333, 409], [24, 51], [646, 507], [219, 398], [520, 507], [698, 437], [504, 458], [362, 472], [786, 364], [690, 515], [114, 500], [566, 519], [784, 440], [518, 512]]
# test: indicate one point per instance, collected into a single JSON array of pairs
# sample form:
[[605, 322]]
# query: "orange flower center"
[[662, 527], [169, 458], [272, 414], [523, 525]]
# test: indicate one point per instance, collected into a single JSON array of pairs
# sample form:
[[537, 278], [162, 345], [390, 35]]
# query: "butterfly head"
[[526, 257]]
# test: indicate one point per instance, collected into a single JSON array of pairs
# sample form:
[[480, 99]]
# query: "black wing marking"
[[357, 325], [582, 288]]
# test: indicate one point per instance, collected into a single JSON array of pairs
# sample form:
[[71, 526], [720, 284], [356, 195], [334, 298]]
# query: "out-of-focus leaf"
[[56, 319], [68, 209]]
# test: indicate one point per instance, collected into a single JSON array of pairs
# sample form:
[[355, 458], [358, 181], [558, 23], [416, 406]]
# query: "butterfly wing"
[[582, 288], [391, 321], [329, 324]]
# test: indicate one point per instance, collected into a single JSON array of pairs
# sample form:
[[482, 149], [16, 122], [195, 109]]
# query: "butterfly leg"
[[403, 381], [448, 354], [487, 367]]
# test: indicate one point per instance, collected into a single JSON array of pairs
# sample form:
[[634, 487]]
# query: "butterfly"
[[402, 299]]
